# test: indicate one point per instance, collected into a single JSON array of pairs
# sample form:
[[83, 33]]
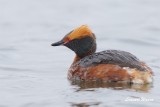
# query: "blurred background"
[[34, 74]]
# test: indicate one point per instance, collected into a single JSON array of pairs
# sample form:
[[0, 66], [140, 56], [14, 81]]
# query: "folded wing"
[[117, 57]]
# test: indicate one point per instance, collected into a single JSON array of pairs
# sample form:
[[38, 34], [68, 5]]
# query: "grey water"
[[34, 74]]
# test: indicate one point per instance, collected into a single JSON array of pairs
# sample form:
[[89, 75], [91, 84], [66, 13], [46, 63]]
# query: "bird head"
[[80, 40]]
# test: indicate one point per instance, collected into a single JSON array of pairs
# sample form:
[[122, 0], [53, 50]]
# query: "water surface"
[[34, 74]]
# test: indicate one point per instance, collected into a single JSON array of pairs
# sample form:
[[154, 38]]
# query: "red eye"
[[66, 40]]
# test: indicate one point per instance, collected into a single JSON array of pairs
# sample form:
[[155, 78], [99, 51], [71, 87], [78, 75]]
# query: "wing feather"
[[117, 57]]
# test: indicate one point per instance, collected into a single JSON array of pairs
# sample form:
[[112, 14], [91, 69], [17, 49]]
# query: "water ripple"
[[13, 69], [7, 49], [137, 42]]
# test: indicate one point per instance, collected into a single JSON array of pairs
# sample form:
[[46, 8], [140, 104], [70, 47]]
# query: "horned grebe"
[[105, 66]]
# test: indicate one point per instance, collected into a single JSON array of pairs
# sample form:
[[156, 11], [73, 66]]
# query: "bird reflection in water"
[[88, 85], [86, 104]]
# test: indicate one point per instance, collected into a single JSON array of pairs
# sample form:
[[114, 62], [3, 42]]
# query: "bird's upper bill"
[[77, 33]]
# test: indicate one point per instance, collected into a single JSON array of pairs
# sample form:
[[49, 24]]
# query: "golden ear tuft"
[[79, 32]]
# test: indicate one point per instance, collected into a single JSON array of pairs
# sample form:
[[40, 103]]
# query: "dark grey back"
[[117, 57]]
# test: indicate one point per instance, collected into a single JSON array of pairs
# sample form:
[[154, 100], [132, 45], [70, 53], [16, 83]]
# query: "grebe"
[[105, 66]]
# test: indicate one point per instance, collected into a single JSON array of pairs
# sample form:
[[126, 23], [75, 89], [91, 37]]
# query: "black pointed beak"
[[57, 43]]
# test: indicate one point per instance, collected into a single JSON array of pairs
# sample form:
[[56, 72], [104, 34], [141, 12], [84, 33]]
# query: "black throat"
[[82, 47]]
